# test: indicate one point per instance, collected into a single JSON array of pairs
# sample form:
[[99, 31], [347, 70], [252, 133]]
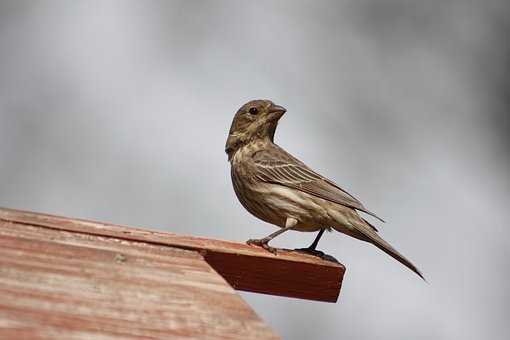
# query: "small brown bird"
[[279, 189]]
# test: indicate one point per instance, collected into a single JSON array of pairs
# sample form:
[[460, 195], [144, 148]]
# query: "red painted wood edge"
[[244, 267]]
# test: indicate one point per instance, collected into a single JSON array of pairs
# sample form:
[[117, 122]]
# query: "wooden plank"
[[245, 267], [57, 284]]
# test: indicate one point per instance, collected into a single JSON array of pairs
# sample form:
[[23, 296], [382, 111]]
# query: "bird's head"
[[256, 119]]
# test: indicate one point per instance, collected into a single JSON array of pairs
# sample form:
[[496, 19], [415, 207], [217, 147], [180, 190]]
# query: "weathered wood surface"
[[244, 267], [57, 284]]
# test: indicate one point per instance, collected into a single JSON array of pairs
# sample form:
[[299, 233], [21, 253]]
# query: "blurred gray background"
[[119, 111]]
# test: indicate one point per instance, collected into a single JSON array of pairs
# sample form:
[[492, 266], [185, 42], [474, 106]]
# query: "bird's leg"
[[316, 241], [311, 249], [263, 242]]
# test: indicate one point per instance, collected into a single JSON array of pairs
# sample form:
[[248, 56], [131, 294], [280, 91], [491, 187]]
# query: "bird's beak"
[[277, 111], [280, 110]]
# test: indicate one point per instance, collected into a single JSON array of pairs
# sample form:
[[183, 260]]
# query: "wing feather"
[[290, 172]]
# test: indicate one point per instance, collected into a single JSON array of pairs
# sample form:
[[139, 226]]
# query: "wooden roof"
[[68, 278]]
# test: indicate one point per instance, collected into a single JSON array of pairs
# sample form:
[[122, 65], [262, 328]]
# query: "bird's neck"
[[250, 145]]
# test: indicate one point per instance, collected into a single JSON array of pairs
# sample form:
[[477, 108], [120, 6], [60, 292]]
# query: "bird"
[[279, 189]]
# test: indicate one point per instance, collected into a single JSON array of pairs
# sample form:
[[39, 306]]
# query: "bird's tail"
[[377, 240], [365, 232]]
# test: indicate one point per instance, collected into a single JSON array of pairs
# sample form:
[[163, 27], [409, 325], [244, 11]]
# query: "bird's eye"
[[253, 111]]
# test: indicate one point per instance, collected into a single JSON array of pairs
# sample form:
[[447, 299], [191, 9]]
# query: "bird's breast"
[[253, 196]]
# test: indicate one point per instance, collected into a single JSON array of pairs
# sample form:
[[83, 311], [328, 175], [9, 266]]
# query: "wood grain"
[[57, 284], [244, 267]]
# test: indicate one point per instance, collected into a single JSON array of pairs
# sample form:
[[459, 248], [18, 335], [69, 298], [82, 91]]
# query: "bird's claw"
[[311, 251], [263, 242], [317, 253]]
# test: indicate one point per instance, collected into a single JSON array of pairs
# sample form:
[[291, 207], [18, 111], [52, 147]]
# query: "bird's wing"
[[279, 167]]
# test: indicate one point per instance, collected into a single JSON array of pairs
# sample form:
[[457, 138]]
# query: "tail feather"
[[388, 249], [363, 230]]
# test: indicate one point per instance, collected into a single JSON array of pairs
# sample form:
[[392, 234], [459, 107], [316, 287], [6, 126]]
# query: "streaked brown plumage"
[[279, 189]]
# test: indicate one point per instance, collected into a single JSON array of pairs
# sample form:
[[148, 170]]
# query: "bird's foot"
[[263, 242], [311, 251], [317, 253]]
